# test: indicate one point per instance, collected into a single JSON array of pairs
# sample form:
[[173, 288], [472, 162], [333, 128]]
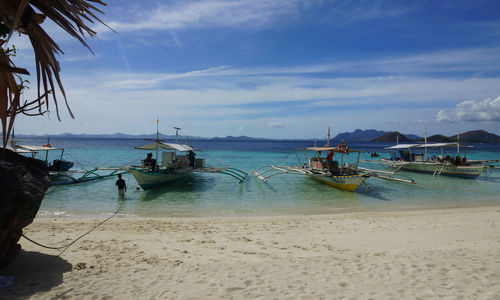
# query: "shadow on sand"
[[32, 273]]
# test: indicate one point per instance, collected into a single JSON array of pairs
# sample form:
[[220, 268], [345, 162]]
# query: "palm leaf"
[[21, 16]]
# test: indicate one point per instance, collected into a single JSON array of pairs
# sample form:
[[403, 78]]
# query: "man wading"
[[122, 187]]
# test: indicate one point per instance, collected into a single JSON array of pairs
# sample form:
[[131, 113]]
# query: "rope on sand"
[[65, 247]]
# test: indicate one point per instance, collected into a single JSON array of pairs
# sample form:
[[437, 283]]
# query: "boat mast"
[[47, 152], [425, 140], [458, 142], [176, 133], [157, 141], [328, 141]]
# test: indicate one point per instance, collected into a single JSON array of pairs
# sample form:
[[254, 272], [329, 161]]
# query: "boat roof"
[[334, 149], [18, 150], [433, 145], [31, 148], [168, 146]]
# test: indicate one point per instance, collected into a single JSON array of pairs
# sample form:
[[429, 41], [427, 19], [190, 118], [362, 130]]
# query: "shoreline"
[[268, 213], [383, 255]]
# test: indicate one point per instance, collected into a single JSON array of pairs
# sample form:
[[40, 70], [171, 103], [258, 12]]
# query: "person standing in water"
[[122, 187]]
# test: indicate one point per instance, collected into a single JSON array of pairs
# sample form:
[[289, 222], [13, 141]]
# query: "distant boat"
[[415, 158], [374, 154]]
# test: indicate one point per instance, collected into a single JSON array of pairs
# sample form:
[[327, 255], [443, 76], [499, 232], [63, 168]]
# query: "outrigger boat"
[[176, 163], [60, 172], [57, 165], [411, 158], [337, 173], [173, 165]]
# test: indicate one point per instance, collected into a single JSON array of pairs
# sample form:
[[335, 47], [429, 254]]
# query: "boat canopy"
[[434, 145], [403, 146], [18, 150], [168, 146], [334, 149], [30, 148]]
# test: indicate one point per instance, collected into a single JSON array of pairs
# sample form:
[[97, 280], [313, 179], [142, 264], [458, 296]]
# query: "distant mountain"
[[237, 138], [437, 138], [367, 135], [477, 136], [118, 135], [392, 136], [359, 135], [412, 136]]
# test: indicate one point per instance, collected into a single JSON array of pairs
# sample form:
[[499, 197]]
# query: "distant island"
[[358, 136], [475, 136]]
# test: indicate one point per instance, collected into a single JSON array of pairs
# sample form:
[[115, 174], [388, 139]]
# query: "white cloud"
[[462, 60], [75, 58], [244, 14], [238, 96], [202, 14], [472, 111], [275, 124]]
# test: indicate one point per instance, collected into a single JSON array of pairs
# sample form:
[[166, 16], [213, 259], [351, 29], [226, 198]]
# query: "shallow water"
[[205, 194]]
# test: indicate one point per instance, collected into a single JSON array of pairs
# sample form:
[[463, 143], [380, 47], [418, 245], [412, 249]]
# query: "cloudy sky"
[[279, 69]]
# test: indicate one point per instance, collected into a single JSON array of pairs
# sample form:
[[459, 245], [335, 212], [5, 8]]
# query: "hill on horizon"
[[393, 136], [478, 136], [358, 135], [474, 136]]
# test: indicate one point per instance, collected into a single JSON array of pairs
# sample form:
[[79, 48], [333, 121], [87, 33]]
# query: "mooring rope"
[[77, 162], [283, 159], [65, 247], [215, 159]]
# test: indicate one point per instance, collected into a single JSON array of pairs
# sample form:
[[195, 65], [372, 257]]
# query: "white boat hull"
[[471, 171], [148, 180]]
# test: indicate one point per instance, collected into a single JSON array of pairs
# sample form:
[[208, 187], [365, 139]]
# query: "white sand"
[[450, 254]]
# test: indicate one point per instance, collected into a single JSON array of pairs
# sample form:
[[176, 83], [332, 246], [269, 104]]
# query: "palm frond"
[[8, 91], [21, 16]]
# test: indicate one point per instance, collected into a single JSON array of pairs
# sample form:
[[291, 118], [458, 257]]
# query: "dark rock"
[[23, 183]]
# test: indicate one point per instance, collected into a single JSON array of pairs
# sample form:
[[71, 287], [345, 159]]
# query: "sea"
[[219, 195]]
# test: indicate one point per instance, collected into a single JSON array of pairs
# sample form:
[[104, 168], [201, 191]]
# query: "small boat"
[[321, 166], [57, 165], [416, 158], [374, 154], [177, 162], [60, 172]]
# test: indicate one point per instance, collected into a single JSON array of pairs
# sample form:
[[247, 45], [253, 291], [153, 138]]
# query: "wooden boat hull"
[[148, 180], [472, 171], [346, 183]]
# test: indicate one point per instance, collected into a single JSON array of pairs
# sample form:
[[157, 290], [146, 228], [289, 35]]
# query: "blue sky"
[[279, 69]]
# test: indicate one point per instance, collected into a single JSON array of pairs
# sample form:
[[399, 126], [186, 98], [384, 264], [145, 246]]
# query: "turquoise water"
[[205, 194]]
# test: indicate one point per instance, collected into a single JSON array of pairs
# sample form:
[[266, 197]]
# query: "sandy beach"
[[446, 253]]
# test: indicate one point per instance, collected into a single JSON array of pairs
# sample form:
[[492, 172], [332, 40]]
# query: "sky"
[[278, 69]]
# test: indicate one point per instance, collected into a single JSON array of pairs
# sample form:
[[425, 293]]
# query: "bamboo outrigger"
[[336, 173], [65, 178]]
